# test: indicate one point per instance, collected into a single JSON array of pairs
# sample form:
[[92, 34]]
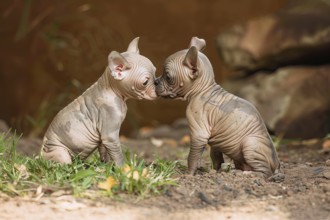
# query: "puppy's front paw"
[[277, 178], [254, 174], [191, 172]]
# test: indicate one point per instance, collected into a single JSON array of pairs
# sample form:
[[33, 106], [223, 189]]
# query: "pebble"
[[277, 178], [309, 164], [204, 198], [213, 172], [272, 208], [326, 175], [318, 170], [327, 163], [226, 167], [183, 191], [257, 182], [325, 187], [237, 172], [227, 188]]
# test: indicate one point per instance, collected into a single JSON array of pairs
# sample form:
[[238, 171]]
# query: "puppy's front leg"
[[194, 158], [199, 139], [113, 151], [109, 131]]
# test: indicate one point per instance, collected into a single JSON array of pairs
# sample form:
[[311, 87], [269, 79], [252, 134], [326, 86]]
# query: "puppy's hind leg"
[[259, 154], [57, 154]]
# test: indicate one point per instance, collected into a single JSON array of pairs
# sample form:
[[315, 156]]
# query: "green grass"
[[24, 176]]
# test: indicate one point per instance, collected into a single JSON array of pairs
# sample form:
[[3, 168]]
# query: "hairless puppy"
[[93, 120], [229, 124]]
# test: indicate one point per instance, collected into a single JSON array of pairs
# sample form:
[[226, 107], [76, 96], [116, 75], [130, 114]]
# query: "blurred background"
[[274, 53]]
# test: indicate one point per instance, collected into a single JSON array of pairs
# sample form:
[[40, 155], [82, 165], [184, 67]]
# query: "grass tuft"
[[25, 176]]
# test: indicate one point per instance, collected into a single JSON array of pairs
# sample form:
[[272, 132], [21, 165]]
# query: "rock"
[[294, 101], [317, 171], [29, 146], [309, 164], [298, 35], [3, 126], [326, 175], [325, 187], [182, 190], [204, 198], [327, 162], [227, 188]]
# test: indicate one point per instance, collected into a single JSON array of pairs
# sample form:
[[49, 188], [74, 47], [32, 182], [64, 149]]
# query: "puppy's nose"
[[156, 81]]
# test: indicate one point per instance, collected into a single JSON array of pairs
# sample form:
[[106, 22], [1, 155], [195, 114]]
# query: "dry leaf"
[[144, 172], [170, 142], [39, 190], [39, 193], [185, 140], [145, 130], [310, 141], [326, 144], [126, 168], [70, 205], [108, 184], [100, 170], [136, 175], [22, 170], [156, 142], [59, 193]]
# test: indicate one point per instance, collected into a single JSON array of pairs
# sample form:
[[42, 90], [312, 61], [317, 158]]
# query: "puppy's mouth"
[[171, 96], [151, 95], [166, 95]]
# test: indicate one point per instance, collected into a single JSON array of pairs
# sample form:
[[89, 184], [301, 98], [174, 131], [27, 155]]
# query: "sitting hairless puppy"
[[229, 124], [93, 120]]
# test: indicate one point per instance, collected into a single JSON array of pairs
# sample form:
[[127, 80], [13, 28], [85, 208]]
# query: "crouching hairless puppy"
[[229, 124], [93, 120]]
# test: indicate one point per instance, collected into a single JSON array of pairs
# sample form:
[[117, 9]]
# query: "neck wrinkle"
[[106, 82], [207, 83]]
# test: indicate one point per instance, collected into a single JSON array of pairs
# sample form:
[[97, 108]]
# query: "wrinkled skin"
[[229, 124], [93, 120]]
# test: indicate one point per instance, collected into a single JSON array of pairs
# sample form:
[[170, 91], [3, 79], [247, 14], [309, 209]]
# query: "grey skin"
[[229, 124], [93, 120]]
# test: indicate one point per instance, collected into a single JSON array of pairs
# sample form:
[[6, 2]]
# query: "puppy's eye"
[[146, 82], [168, 78]]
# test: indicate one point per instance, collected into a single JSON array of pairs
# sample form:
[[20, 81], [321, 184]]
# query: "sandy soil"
[[304, 194]]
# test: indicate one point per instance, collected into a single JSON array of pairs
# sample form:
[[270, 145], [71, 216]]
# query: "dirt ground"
[[304, 194]]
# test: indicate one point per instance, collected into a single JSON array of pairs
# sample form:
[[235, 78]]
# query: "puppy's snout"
[[156, 81]]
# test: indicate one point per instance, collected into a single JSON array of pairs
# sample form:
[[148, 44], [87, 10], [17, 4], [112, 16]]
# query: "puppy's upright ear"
[[198, 43], [118, 64], [133, 47], [191, 61]]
